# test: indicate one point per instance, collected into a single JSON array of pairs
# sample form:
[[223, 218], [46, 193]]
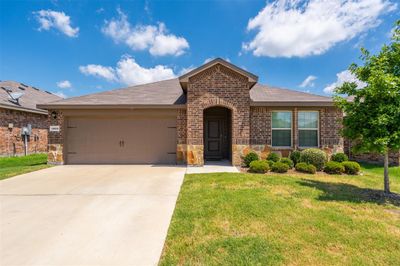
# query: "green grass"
[[282, 219], [12, 166]]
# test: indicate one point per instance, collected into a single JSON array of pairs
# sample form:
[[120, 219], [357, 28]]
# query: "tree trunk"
[[386, 172]]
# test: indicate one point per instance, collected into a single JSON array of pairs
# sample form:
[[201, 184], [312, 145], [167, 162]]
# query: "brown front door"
[[216, 137]]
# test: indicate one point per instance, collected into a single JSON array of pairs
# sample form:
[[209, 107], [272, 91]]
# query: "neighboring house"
[[217, 111], [18, 111]]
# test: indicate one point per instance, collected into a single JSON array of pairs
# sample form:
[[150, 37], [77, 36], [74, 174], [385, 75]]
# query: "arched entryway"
[[217, 134]]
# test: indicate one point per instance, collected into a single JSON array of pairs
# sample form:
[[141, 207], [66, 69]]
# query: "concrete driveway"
[[87, 215]]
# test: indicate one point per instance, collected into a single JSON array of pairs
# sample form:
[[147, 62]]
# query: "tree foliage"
[[372, 113]]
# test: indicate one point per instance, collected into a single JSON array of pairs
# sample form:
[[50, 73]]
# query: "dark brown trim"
[[111, 106], [296, 104]]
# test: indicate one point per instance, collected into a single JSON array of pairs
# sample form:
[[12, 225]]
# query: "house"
[[215, 112], [23, 126]]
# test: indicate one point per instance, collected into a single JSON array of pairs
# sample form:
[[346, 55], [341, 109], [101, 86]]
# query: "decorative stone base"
[[55, 154], [181, 154], [195, 155]]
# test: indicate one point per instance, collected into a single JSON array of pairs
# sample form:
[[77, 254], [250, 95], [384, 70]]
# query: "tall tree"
[[372, 113]]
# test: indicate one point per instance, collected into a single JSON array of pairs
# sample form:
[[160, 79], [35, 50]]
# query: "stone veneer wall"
[[217, 86], [56, 139], [181, 131], [11, 141]]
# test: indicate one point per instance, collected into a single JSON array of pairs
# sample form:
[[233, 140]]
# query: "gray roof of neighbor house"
[[31, 96]]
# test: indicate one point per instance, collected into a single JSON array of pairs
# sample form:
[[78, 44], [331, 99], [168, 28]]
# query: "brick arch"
[[214, 102]]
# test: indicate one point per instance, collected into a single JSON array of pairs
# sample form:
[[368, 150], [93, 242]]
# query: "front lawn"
[[12, 166], [248, 219]]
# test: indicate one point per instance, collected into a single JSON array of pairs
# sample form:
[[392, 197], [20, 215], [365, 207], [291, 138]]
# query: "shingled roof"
[[171, 94], [28, 101], [167, 93]]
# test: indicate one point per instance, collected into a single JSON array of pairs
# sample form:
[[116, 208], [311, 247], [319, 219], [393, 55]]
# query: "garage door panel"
[[121, 140]]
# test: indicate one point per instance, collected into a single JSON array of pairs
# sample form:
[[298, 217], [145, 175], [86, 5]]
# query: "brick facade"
[[217, 86], [56, 139], [11, 140]]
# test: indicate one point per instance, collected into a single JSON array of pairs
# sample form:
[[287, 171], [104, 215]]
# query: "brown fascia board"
[[299, 104], [111, 106], [24, 109]]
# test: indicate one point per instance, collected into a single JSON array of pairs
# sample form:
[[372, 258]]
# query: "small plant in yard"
[[273, 157], [313, 156], [306, 168], [251, 156], [295, 156], [280, 167], [270, 163], [334, 168], [288, 162], [259, 166], [339, 157], [351, 168]]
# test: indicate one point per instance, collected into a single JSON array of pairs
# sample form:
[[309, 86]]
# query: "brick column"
[[55, 153]]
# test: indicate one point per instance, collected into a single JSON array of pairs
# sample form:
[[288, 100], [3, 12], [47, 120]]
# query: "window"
[[282, 129], [308, 129]]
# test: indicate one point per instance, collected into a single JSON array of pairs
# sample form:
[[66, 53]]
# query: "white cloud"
[[59, 20], [154, 38], [288, 28], [129, 72], [186, 70], [308, 82], [65, 84], [342, 77], [107, 73], [60, 94]]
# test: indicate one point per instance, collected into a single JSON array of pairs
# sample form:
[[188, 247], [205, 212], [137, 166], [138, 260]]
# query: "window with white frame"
[[308, 128], [281, 129]]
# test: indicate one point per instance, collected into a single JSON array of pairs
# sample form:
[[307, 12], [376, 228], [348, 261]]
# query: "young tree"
[[372, 113]]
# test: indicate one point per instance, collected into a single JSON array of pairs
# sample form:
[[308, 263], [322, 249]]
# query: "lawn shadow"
[[350, 193]]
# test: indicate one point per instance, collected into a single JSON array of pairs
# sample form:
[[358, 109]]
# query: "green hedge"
[[259, 166], [313, 156]]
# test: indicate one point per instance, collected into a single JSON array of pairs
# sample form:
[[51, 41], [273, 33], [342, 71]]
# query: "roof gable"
[[184, 79]]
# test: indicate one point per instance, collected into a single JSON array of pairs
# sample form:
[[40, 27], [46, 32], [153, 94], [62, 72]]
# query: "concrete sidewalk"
[[213, 167], [87, 215]]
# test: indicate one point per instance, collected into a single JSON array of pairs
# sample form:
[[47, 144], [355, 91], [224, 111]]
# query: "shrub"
[[288, 162], [295, 156], [315, 157], [279, 167], [339, 157], [273, 157], [334, 168], [306, 168], [351, 168], [259, 166], [251, 156], [270, 163]]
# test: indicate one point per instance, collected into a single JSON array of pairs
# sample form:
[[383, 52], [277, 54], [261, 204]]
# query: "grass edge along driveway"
[[12, 166], [280, 219]]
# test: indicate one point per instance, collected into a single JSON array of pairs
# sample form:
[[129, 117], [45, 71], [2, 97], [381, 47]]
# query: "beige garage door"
[[144, 140]]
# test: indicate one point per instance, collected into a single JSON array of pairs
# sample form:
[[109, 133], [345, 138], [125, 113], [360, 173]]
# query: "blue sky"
[[80, 47]]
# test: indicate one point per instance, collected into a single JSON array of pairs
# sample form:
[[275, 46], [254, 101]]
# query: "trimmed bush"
[[295, 156], [339, 157], [288, 162], [351, 168], [315, 157], [270, 163], [259, 166], [273, 157], [306, 168], [279, 167], [251, 156], [334, 168]]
